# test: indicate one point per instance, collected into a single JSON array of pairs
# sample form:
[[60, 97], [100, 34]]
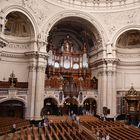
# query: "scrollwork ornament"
[[41, 68], [131, 17], [32, 68], [109, 72]]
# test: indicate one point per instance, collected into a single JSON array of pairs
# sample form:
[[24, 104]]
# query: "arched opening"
[[50, 107], [70, 44], [129, 40], [18, 25], [70, 105], [90, 106], [128, 48], [12, 108]]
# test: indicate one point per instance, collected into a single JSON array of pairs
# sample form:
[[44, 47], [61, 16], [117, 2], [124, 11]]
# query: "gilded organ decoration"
[[66, 67]]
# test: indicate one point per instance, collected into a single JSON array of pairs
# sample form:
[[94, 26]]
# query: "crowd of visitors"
[[102, 136]]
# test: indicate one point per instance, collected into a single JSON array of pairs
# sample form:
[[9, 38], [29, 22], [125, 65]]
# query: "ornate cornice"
[[36, 54], [129, 63], [97, 5], [104, 61], [111, 60], [12, 54], [97, 63]]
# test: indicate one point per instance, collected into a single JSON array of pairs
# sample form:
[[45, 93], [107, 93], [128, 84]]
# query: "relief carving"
[[20, 46], [41, 68], [32, 68], [38, 9], [131, 17]]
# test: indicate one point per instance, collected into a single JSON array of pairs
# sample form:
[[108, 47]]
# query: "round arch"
[[26, 12], [12, 108], [50, 107], [89, 106], [121, 31], [65, 14], [18, 99], [70, 105]]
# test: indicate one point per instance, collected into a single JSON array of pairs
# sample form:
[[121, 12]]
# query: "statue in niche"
[[67, 44]]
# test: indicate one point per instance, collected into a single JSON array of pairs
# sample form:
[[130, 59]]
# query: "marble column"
[[99, 101], [40, 81], [31, 85], [109, 90], [102, 80], [111, 86]]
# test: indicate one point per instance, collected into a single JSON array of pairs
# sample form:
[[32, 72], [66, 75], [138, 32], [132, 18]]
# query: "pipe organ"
[[67, 68]]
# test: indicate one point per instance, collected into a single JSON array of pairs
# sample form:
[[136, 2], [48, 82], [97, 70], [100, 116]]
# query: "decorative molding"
[[104, 61], [97, 5], [12, 54], [2, 98], [23, 97], [36, 54], [128, 55], [102, 73], [111, 60], [129, 63], [19, 46]]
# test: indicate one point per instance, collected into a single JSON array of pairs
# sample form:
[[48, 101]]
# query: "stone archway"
[[70, 105], [12, 108], [50, 107], [90, 106]]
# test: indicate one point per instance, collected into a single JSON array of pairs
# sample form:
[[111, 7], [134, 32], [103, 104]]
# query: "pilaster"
[[102, 80], [31, 85], [111, 86], [39, 97], [40, 78], [37, 65]]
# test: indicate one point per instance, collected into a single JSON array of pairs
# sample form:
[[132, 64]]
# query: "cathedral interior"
[[80, 56]]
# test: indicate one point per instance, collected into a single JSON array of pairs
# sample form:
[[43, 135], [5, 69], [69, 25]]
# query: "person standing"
[[139, 124], [107, 137], [14, 128]]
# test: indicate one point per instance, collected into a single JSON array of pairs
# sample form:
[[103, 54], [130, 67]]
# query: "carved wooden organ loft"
[[68, 70]]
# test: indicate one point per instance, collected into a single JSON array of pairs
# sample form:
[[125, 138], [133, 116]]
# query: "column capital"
[[41, 68], [111, 60], [110, 72], [102, 73], [32, 68]]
